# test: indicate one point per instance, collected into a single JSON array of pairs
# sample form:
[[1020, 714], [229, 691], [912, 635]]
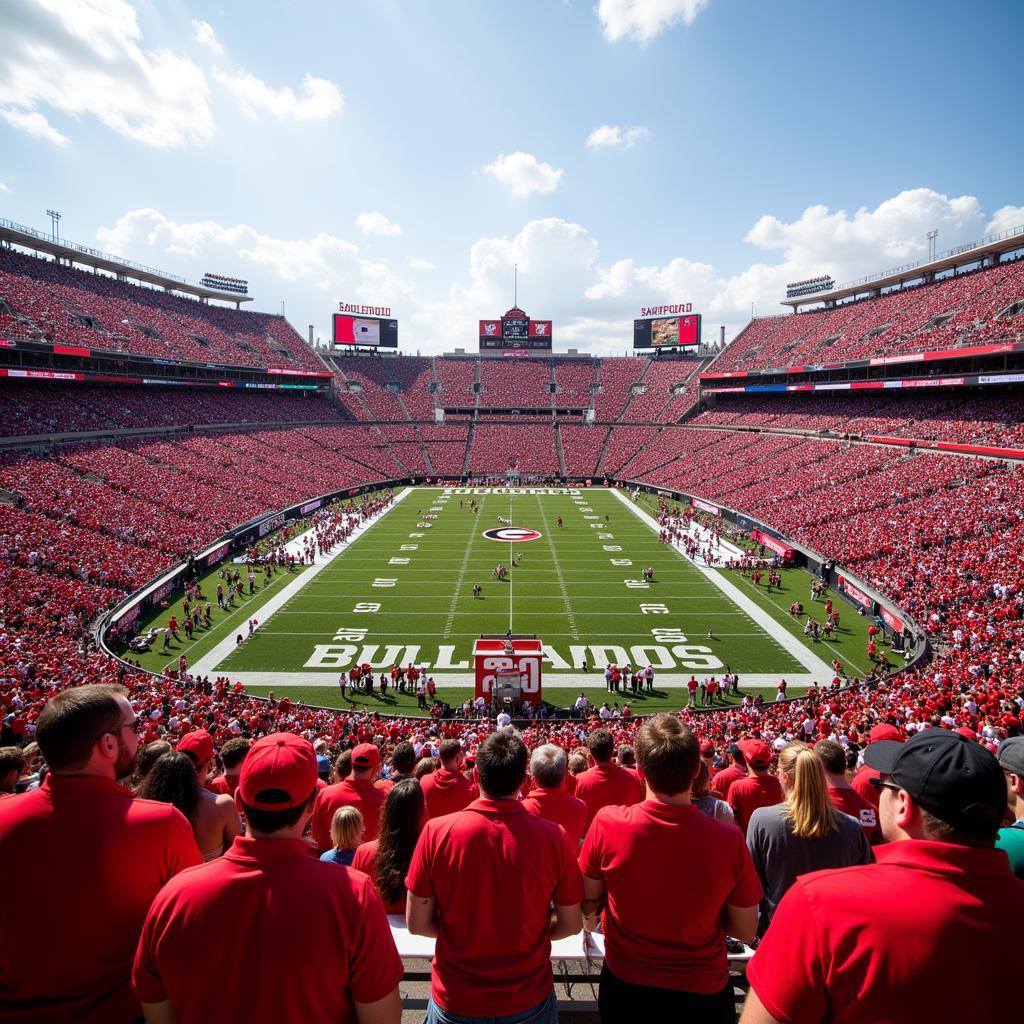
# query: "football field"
[[402, 591]]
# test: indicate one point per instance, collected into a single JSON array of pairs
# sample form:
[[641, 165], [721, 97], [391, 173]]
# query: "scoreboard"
[[371, 331], [515, 330], [668, 332]]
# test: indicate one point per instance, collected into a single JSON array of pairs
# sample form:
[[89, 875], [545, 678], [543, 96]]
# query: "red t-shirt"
[[360, 793], [850, 802], [669, 872], [446, 792], [561, 808], [861, 783], [308, 938], [81, 862], [746, 795], [494, 870], [895, 941], [722, 780], [607, 785], [363, 861]]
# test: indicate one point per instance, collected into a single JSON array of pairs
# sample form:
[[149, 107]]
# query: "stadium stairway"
[[621, 418], [469, 450], [558, 448], [599, 468], [425, 450]]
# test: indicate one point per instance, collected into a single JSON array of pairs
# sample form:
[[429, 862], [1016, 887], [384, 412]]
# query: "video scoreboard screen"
[[668, 332], [371, 331], [515, 330]]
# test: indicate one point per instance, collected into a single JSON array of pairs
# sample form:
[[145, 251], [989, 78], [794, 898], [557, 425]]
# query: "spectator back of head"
[[601, 745], [501, 764], [74, 720], [548, 764], [668, 754]]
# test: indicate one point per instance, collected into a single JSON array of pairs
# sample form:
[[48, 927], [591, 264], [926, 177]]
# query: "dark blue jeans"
[[542, 1013]]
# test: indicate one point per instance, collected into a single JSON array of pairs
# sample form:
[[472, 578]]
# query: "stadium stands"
[[515, 383], [499, 446], [57, 304]]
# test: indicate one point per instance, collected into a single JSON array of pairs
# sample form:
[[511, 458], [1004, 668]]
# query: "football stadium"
[[606, 633]]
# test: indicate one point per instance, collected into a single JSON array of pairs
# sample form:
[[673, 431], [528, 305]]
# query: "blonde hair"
[[346, 828], [809, 808]]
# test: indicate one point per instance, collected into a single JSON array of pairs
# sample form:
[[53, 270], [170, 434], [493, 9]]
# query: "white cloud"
[[643, 20], [615, 137], [523, 174], [375, 223], [320, 98], [34, 124], [1006, 218], [85, 57], [3, 187], [415, 263], [205, 35]]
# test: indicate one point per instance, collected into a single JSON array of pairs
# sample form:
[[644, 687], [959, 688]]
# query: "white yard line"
[[818, 669], [208, 663], [558, 571]]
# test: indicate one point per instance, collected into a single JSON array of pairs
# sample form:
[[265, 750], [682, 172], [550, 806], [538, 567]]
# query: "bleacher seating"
[[61, 305], [515, 383], [617, 376], [498, 446], [582, 447]]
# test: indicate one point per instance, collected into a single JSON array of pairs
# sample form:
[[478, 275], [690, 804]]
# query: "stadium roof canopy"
[[988, 249], [29, 238]]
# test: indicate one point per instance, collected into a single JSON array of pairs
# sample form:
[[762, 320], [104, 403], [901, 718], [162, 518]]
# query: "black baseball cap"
[[950, 776]]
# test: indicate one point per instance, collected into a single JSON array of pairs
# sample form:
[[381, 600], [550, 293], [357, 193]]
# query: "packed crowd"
[[65, 306]]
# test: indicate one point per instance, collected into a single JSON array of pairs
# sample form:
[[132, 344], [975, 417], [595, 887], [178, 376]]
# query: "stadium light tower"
[[54, 223], [931, 236]]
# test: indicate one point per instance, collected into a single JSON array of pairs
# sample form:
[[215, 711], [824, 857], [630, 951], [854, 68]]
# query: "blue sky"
[[408, 152]]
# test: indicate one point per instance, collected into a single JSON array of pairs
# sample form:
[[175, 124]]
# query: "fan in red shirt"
[[549, 799], [320, 949], [887, 941], [665, 956], [605, 784], [447, 790], [81, 862], [358, 790], [760, 788], [861, 781], [722, 781], [483, 882], [232, 754], [844, 797]]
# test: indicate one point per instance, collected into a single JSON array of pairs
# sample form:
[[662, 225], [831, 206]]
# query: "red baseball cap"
[[886, 732], [279, 773], [756, 753], [366, 755], [199, 744]]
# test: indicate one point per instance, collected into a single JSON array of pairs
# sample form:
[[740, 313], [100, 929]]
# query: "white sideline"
[[820, 670], [208, 663]]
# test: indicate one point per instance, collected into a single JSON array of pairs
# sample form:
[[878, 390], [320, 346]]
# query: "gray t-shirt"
[[780, 857]]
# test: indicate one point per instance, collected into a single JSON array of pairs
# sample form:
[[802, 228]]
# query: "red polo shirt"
[[446, 792], [607, 785], [747, 794], [562, 808], [898, 940], [360, 793], [669, 872], [494, 870], [307, 939], [81, 862], [850, 802]]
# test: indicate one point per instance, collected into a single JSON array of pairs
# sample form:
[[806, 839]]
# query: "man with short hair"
[[232, 754], [888, 941], [722, 781], [549, 799], [12, 764], [760, 788], [358, 790], [319, 949], [844, 796], [403, 762], [605, 783], [447, 790], [1011, 840], [81, 862], [665, 956], [493, 953]]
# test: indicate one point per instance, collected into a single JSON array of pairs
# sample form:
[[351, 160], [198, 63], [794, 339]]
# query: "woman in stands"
[[805, 833], [707, 804], [386, 859]]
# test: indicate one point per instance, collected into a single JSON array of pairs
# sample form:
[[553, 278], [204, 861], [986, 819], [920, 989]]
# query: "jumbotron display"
[[668, 332], [515, 330], [371, 331]]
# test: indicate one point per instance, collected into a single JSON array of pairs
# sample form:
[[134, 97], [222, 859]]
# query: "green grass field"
[[403, 591]]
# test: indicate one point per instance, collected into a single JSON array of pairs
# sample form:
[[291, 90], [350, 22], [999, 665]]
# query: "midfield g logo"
[[511, 533]]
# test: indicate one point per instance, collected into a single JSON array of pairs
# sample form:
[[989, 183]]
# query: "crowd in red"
[[64, 306]]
